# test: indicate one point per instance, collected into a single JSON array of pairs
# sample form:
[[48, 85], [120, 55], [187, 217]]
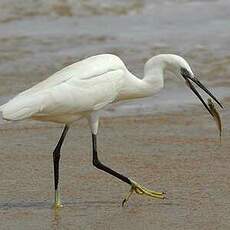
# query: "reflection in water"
[[56, 218]]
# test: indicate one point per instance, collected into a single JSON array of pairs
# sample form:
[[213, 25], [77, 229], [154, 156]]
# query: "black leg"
[[101, 166], [135, 187], [56, 158]]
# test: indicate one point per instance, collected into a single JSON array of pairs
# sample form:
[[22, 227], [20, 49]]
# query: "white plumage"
[[78, 90]]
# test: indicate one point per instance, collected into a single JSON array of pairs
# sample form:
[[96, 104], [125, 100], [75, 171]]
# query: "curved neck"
[[153, 80], [154, 70]]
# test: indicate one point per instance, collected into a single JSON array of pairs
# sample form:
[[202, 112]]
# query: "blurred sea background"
[[38, 38]]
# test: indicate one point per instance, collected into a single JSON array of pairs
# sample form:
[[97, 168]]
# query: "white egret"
[[84, 88]]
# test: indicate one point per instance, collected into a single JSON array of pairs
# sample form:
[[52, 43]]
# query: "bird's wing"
[[71, 97], [88, 68], [83, 95]]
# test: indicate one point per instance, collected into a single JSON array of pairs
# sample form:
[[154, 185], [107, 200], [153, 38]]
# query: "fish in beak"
[[189, 80], [216, 116]]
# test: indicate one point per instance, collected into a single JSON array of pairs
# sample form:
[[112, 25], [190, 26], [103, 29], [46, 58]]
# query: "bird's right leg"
[[135, 187], [56, 158]]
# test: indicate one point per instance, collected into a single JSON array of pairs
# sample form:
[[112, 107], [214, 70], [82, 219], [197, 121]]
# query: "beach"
[[168, 142], [178, 153]]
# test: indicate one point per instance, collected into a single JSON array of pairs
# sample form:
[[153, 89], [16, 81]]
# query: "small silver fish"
[[216, 116]]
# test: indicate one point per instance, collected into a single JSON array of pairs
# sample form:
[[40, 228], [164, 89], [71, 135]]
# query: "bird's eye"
[[184, 72]]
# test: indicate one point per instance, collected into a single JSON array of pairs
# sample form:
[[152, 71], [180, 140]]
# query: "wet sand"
[[175, 152]]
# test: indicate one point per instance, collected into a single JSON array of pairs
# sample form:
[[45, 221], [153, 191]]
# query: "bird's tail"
[[20, 108]]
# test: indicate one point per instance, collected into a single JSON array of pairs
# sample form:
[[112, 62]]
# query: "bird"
[[84, 88]]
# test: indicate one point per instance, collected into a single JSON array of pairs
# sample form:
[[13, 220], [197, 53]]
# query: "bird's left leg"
[[135, 187], [56, 158]]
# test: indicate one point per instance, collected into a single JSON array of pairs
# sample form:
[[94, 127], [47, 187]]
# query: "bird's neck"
[[138, 88], [154, 72], [152, 82]]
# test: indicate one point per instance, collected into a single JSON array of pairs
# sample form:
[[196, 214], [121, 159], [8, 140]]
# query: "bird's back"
[[86, 68]]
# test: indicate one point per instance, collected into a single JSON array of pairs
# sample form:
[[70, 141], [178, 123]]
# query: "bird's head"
[[180, 67], [175, 64], [190, 78]]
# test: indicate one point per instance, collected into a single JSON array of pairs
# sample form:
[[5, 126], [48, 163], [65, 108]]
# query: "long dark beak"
[[188, 80]]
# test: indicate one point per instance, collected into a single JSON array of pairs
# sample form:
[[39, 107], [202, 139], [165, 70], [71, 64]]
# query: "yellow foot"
[[57, 206], [141, 190]]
